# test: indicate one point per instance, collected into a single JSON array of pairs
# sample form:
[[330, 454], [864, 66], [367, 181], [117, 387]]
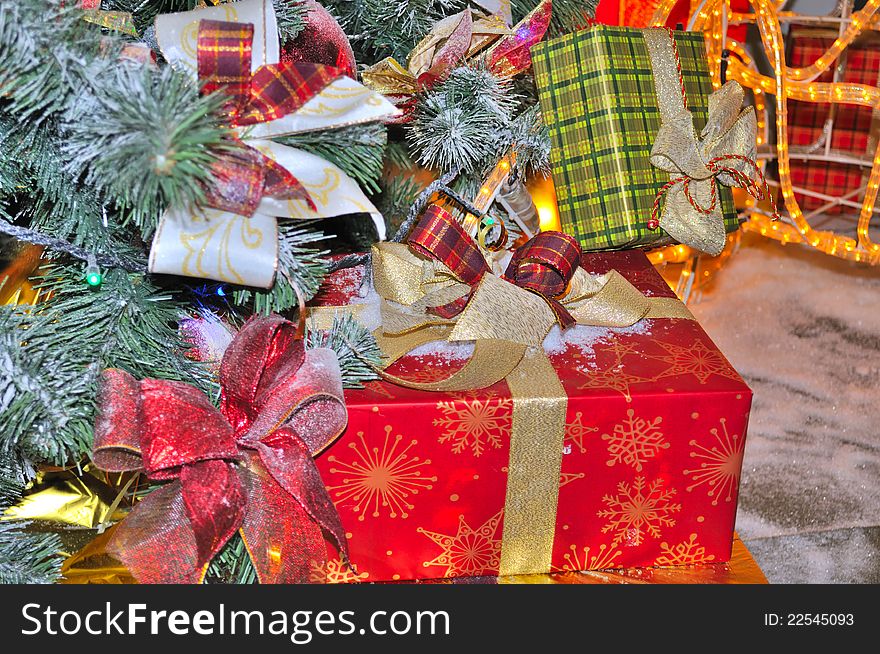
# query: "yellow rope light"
[[797, 84]]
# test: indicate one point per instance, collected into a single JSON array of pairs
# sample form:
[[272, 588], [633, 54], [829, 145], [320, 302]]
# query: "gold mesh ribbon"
[[508, 325], [724, 152]]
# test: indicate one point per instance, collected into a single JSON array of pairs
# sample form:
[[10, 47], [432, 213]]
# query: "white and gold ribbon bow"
[[227, 247]]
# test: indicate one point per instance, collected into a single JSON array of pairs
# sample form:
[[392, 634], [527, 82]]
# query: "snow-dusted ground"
[[804, 331]]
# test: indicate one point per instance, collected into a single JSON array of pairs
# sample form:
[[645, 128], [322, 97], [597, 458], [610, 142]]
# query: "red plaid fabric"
[[832, 179], [273, 91], [224, 64], [279, 89], [544, 265], [238, 182], [224, 58], [852, 124], [439, 236]]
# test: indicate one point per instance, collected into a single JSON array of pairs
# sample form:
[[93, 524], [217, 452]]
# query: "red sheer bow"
[[246, 466]]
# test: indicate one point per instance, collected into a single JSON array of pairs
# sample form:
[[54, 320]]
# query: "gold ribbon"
[[451, 39], [71, 498], [692, 212], [508, 325]]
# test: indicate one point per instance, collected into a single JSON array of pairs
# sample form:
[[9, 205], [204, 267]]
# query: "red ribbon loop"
[[274, 90], [544, 265], [239, 467]]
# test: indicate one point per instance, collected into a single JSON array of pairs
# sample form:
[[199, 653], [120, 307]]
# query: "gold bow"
[[508, 325], [450, 40], [723, 152], [498, 311]]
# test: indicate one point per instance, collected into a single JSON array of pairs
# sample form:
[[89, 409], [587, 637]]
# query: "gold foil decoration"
[[93, 565], [118, 21], [15, 284], [69, 499]]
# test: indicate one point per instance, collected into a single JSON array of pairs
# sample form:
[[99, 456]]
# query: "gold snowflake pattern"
[[381, 478], [635, 440], [688, 552], [603, 559], [694, 359], [470, 552], [616, 375], [566, 478], [720, 465], [474, 422], [335, 571], [638, 508], [575, 431], [428, 374], [614, 378]]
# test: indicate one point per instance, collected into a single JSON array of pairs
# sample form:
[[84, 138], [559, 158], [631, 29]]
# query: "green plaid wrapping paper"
[[597, 95]]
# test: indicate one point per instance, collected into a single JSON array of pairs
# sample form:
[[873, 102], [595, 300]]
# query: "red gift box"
[[852, 126], [654, 436]]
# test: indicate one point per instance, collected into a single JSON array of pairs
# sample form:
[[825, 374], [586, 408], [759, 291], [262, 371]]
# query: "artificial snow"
[[803, 329], [453, 351], [371, 315], [585, 338]]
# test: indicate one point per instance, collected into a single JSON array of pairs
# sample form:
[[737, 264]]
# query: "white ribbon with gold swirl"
[[230, 248]]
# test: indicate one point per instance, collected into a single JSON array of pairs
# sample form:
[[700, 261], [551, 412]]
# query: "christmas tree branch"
[[300, 268], [358, 150], [356, 349], [60, 245], [53, 354]]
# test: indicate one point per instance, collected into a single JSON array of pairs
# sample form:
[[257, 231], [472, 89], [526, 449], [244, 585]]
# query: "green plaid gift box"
[[598, 99]]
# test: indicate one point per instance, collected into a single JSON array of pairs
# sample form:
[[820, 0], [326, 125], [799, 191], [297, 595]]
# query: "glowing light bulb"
[[94, 278]]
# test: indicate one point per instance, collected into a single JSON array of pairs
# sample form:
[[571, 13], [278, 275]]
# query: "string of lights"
[[712, 19]]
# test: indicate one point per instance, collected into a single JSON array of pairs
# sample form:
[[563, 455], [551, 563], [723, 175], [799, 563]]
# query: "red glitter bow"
[[273, 91], [248, 465], [544, 265]]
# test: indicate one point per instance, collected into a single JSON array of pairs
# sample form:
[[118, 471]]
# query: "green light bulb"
[[94, 279]]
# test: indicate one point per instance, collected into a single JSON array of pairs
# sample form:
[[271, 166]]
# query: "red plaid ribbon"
[[272, 91], [544, 265]]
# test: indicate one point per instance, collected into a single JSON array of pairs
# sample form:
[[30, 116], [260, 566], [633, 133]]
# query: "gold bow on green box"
[[723, 152]]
